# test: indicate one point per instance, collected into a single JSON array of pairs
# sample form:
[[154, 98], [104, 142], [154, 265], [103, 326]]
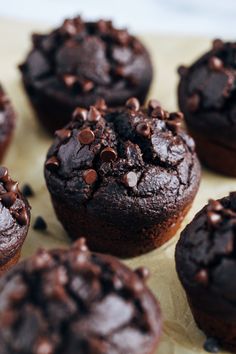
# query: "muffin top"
[[82, 60], [207, 93], [205, 254], [128, 156], [76, 301], [7, 115], [14, 217]]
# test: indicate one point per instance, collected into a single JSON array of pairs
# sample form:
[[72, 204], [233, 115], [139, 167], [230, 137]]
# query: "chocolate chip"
[[87, 85], [63, 134], [215, 63], [21, 216], [142, 272], [174, 125], [211, 345], [44, 346], [40, 224], [158, 112], [182, 70], [12, 186], [52, 163], [217, 44], [202, 277], [133, 104], [215, 205], [108, 154], [143, 129], [213, 218], [101, 104], [86, 136], [80, 114], [80, 244], [8, 199], [27, 191], [93, 115], [130, 179], [193, 102], [152, 104], [176, 115], [4, 174], [69, 80], [90, 176]]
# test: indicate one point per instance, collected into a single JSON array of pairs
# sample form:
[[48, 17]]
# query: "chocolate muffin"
[[7, 123], [14, 220], [207, 96], [73, 301], [206, 266], [78, 63], [123, 178]]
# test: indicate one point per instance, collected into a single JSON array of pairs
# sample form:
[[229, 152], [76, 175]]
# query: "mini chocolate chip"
[[130, 179], [143, 129], [152, 104], [202, 277], [93, 115], [108, 154], [217, 44], [4, 174], [215, 63], [27, 191], [133, 104], [101, 104], [40, 224], [86, 136], [211, 345], [8, 199], [69, 80], [80, 114], [90, 176], [87, 85], [12, 186], [174, 125], [142, 272], [63, 134], [80, 244], [215, 205], [21, 216], [158, 112], [193, 102], [52, 163], [182, 70], [213, 218]]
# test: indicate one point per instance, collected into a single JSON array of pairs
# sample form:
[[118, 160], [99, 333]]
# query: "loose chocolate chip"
[[213, 218], [52, 163], [182, 70], [4, 174], [152, 104], [12, 186], [40, 224], [86, 136], [69, 80], [87, 85], [93, 115], [108, 154], [101, 104], [193, 102], [217, 44], [211, 345], [130, 179], [63, 134], [21, 216], [27, 191], [133, 104], [142, 272], [80, 114], [8, 199], [202, 277], [90, 176], [143, 129], [215, 63]]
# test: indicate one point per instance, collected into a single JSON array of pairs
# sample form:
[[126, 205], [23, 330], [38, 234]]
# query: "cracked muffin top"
[[70, 301]]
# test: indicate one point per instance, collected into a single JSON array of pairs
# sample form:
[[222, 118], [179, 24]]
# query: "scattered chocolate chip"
[[130, 179], [152, 104], [193, 102], [63, 134], [182, 70], [108, 154], [40, 224], [213, 218], [8, 199], [202, 277], [4, 174], [93, 115], [217, 44], [80, 114], [133, 104], [86, 136], [90, 176], [211, 345], [142, 272], [69, 80], [215, 63], [143, 129], [27, 191], [52, 163]]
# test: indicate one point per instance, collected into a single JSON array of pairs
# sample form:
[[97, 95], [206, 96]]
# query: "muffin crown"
[[73, 300]]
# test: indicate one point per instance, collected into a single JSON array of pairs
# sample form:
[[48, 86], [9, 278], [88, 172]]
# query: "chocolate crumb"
[[40, 224]]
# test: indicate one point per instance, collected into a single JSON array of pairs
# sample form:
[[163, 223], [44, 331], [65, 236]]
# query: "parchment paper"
[[27, 153]]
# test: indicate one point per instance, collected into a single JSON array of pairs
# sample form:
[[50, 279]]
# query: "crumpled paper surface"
[[27, 153]]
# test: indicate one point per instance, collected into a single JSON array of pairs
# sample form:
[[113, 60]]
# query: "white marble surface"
[[195, 17]]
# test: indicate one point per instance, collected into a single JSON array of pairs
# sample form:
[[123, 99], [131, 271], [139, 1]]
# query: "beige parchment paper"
[[27, 153]]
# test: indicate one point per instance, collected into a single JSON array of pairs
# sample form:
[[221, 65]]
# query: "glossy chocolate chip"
[[142, 272], [90, 176], [133, 104], [87, 85], [130, 179], [8, 199], [4, 174], [152, 104], [101, 104], [12, 186], [52, 163], [63, 134], [21, 217], [143, 129], [69, 80], [215, 63], [108, 154], [86, 136], [80, 114], [94, 115], [213, 218], [201, 277]]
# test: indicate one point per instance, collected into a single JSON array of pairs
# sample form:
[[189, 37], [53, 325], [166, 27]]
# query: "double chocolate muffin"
[[14, 220], [207, 97], [7, 122], [123, 178], [78, 63], [206, 265], [73, 301]]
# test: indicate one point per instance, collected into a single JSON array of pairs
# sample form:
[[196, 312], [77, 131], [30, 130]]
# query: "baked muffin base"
[[11, 262]]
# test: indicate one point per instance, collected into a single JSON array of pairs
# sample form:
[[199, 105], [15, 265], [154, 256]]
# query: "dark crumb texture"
[[81, 61], [7, 122], [206, 265], [73, 301], [122, 177]]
